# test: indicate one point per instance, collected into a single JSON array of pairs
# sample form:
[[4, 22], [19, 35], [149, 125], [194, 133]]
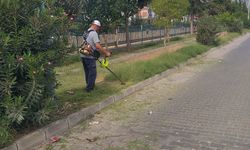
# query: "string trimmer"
[[104, 63]]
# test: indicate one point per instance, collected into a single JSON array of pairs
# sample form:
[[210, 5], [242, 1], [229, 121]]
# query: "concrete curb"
[[59, 127]]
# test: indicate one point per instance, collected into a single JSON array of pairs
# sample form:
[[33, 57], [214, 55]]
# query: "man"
[[89, 61]]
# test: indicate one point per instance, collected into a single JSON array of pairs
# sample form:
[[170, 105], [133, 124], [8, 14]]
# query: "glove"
[[105, 63]]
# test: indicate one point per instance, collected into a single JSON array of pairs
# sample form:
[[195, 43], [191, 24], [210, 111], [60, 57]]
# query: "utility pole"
[[248, 9], [248, 12]]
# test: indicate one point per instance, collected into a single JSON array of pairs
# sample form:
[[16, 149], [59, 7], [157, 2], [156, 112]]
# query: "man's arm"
[[102, 50]]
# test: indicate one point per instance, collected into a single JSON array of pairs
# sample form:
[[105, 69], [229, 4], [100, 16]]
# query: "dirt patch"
[[147, 55], [154, 54]]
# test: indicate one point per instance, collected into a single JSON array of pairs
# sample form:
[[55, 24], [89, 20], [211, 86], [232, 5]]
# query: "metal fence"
[[144, 34]]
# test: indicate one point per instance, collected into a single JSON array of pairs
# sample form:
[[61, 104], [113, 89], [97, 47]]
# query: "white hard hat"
[[96, 22]]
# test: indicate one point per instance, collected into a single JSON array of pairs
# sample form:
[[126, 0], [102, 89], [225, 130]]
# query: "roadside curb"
[[59, 127]]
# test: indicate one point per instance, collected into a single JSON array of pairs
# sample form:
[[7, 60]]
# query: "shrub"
[[177, 38], [246, 23], [5, 134], [30, 46], [207, 29], [230, 22]]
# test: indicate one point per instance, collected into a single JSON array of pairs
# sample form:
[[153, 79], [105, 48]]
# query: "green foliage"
[[231, 14], [177, 38], [216, 7], [246, 23], [106, 11], [71, 7], [167, 10], [196, 7], [111, 13], [32, 36], [207, 29], [230, 22], [5, 136]]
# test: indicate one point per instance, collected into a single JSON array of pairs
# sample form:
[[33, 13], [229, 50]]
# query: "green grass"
[[141, 70], [228, 37]]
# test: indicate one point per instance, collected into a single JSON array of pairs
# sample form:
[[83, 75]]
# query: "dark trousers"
[[89, 66]]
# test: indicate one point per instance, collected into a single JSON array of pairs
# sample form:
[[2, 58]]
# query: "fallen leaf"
[[54, 139]]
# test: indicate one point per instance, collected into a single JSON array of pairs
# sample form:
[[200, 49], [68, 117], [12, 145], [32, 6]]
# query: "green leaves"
[[15, 109], [32, 40], [106, 11], [7, 77], [230, 22], [207, 28], [167, 10], [5, 136]]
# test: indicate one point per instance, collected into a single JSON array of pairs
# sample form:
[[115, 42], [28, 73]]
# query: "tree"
[[215, 7], [195, 9], [106, 11], [71, 7], [167, 11], [128, 8], [111, 13]]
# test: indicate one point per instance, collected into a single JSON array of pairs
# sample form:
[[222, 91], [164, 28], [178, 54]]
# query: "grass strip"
[[141, 70]]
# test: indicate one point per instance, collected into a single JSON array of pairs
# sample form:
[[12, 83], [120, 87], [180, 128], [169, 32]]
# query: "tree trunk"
[[127, 33], [165, 36], [116, 38], [168, 35], [105, 40], [192, 25]]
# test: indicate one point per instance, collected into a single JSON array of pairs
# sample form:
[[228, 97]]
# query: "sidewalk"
[[203, 105]]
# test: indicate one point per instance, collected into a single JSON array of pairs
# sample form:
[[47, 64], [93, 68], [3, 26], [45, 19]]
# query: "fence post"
[[160, 34], [174, 31], [141, 34], [151, 35], [76, 41]]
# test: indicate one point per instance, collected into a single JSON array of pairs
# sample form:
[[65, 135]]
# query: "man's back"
[[92, 39]]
